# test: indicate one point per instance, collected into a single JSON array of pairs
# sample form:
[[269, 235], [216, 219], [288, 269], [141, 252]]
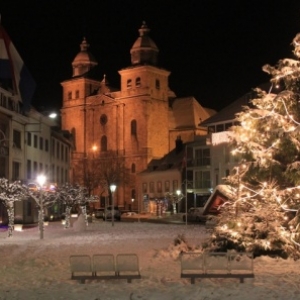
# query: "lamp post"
[[112, 189], [41, 179], [178, 192]]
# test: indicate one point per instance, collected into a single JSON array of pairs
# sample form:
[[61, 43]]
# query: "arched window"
[[157, 84], [133, 127], [77, 94], [104, 144], [132, 195], [133, 168], [138, 82], [129, 83]]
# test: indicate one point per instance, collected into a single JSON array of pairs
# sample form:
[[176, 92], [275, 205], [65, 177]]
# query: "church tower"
[[144, 90], [75, 93], [131, 121]]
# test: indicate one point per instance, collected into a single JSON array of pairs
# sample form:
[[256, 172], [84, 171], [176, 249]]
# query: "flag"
[[13, 72]]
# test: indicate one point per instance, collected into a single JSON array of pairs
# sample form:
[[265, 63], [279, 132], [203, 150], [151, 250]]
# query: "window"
[[57, 149], [145, 190], [29, 138], [41, 143], [35, 141], [175, 185], [66, 175], [28, 169], [202, 157], [62, 153], [104, 144], [157, 84], [159, 186], [35, 169], [66, 154], [17, 138], [57, 174], [15, 171], [41, 168], [46, 145], [220, 128], [151, 187], [132, 195], [103, 119], [133, 127], [133, 168], [69, 95], [129, 83], [77, 94], [53, 147], [167, 186], [202, 179], [138, 82]]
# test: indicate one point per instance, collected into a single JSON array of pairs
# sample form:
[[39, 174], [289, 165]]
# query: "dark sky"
[[215, 50]]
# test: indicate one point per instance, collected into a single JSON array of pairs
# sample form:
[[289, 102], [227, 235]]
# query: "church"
[[128, 127]]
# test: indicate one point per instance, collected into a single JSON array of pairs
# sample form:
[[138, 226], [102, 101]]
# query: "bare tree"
[[9, 194], [102, 171]]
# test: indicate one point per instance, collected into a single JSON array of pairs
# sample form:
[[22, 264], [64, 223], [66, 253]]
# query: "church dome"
[[84, 60], [144, 50]]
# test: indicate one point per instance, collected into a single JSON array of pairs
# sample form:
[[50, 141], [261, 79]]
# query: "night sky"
[[215, 50]]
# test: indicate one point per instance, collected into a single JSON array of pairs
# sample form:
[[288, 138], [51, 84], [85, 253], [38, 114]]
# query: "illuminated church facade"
[[140, 122]]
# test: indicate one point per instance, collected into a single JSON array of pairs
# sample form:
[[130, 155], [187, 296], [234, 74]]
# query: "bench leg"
[[242, 280], [192, 280]]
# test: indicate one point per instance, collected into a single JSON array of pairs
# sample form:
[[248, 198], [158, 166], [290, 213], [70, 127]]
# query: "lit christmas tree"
[[261, 216]]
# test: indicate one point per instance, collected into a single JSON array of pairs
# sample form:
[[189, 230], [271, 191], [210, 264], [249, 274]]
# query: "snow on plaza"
[[39, 269]]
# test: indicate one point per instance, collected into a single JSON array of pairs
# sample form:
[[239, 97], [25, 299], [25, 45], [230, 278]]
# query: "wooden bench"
[[105, 266], [216, 265]]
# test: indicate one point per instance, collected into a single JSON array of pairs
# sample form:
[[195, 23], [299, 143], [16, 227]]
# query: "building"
[[31, 143], [140, 121]]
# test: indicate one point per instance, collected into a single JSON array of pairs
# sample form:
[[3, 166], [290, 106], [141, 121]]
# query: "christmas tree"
[[262, 214]]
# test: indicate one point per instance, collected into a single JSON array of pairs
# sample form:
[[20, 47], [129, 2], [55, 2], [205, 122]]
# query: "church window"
[[133, 168], [129, 83], [138, 82], [77, 94], [133, 127], [103, 119], [70, 95], [157, 84], [104, 144]]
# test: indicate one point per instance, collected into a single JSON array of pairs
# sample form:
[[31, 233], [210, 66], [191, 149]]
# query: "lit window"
[[129, 83]]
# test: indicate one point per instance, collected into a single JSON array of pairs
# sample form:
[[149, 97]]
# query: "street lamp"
[[41, 179], [113, 189], [178, 192]]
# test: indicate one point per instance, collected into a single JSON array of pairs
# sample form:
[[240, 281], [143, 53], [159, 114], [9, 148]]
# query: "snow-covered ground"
[[31, 268]]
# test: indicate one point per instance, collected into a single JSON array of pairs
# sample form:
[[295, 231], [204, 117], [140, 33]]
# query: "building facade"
[[140, 121]]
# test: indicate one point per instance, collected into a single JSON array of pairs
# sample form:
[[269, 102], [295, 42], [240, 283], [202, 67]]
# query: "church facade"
[[139, 122]]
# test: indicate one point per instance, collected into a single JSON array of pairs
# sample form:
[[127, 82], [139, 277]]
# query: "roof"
[[229, 112], [221, 193], [187, 112]]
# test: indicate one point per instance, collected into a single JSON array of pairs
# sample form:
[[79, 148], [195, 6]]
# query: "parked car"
[[99, 213], [108, 213], [195, 214]]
